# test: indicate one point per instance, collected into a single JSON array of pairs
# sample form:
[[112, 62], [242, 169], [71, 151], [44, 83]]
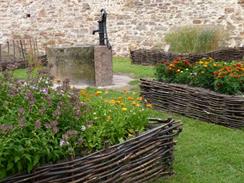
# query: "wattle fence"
[[226, 110], [140, 159], [152, 57]]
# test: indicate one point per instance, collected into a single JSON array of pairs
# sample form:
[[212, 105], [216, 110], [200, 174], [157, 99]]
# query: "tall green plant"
[[195, 39]]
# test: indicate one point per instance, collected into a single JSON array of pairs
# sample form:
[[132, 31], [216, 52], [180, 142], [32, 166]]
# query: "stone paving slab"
[[119, 81]]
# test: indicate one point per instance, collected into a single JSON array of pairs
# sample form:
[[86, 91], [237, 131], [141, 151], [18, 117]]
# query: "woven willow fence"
[[194, 102], [152, 57], [143, 158]]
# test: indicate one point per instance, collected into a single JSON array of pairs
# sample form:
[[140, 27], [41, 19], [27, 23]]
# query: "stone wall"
[[132, 24]]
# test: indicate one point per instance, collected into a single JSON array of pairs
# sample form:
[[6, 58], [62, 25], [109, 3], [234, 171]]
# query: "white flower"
[[33, 87], [83, 128], [63, 142], [45, 91]]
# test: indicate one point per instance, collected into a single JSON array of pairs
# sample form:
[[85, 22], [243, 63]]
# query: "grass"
[[123, 66], [20, 73], [205, 153], [195, 39], [208, 153]]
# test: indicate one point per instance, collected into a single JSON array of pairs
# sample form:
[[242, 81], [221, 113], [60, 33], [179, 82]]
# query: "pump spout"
[[94, 32], [102, 29]]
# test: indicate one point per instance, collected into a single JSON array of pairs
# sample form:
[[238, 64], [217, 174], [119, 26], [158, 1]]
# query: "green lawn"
[[205, 153], [123, 65]]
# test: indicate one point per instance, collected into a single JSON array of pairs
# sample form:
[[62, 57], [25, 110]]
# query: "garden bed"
[[155, 56], [143, 158], [226, 110]]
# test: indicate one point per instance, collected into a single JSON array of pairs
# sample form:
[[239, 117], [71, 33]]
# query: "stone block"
[[103, 66], [82, 65]]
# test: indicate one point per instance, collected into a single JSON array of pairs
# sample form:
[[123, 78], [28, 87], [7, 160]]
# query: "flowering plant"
[[168, 70], [219, 76], [40, 124], [230, 79]]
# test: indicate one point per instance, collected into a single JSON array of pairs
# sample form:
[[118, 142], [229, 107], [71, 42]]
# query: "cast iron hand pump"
[[103, 36]]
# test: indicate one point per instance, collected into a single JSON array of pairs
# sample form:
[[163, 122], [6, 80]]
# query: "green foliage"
[[114, 118], [204, 152], [195, 39], [161, 73], [41, 125], [230, 79], [222, 77]]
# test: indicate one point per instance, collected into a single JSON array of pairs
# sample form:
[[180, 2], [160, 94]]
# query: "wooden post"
[[8, 47], [22, 50], [14, 49], [18, 46], [0, 52]]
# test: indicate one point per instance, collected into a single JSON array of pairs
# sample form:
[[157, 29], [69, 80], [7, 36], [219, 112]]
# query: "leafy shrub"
[[230, 79], [195, 39], [227, 78], [41, 125], [202, 73], [167, 70]]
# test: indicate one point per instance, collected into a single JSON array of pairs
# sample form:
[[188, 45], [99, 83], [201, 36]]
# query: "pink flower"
[[38, 124]]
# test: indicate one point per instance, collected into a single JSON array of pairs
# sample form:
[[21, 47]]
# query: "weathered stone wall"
[[131, 23]]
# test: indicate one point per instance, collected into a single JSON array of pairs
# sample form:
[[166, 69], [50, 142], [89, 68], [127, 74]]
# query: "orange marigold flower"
[[139, 99], [138, 105], [216, 73], [228, 68], [130, 98], [186, 62], [238, 65]]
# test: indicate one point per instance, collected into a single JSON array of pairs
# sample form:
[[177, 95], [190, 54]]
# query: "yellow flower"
[[135, 104], [214, 65], [120, 98], [109, 118], [205, 65], [118, 102], [122, 104], [149, 105], [124, 109], [178, 70], [83, 92], [98, 93], [112, 101]]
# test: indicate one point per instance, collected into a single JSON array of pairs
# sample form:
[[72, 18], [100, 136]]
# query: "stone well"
[[82, 65]]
